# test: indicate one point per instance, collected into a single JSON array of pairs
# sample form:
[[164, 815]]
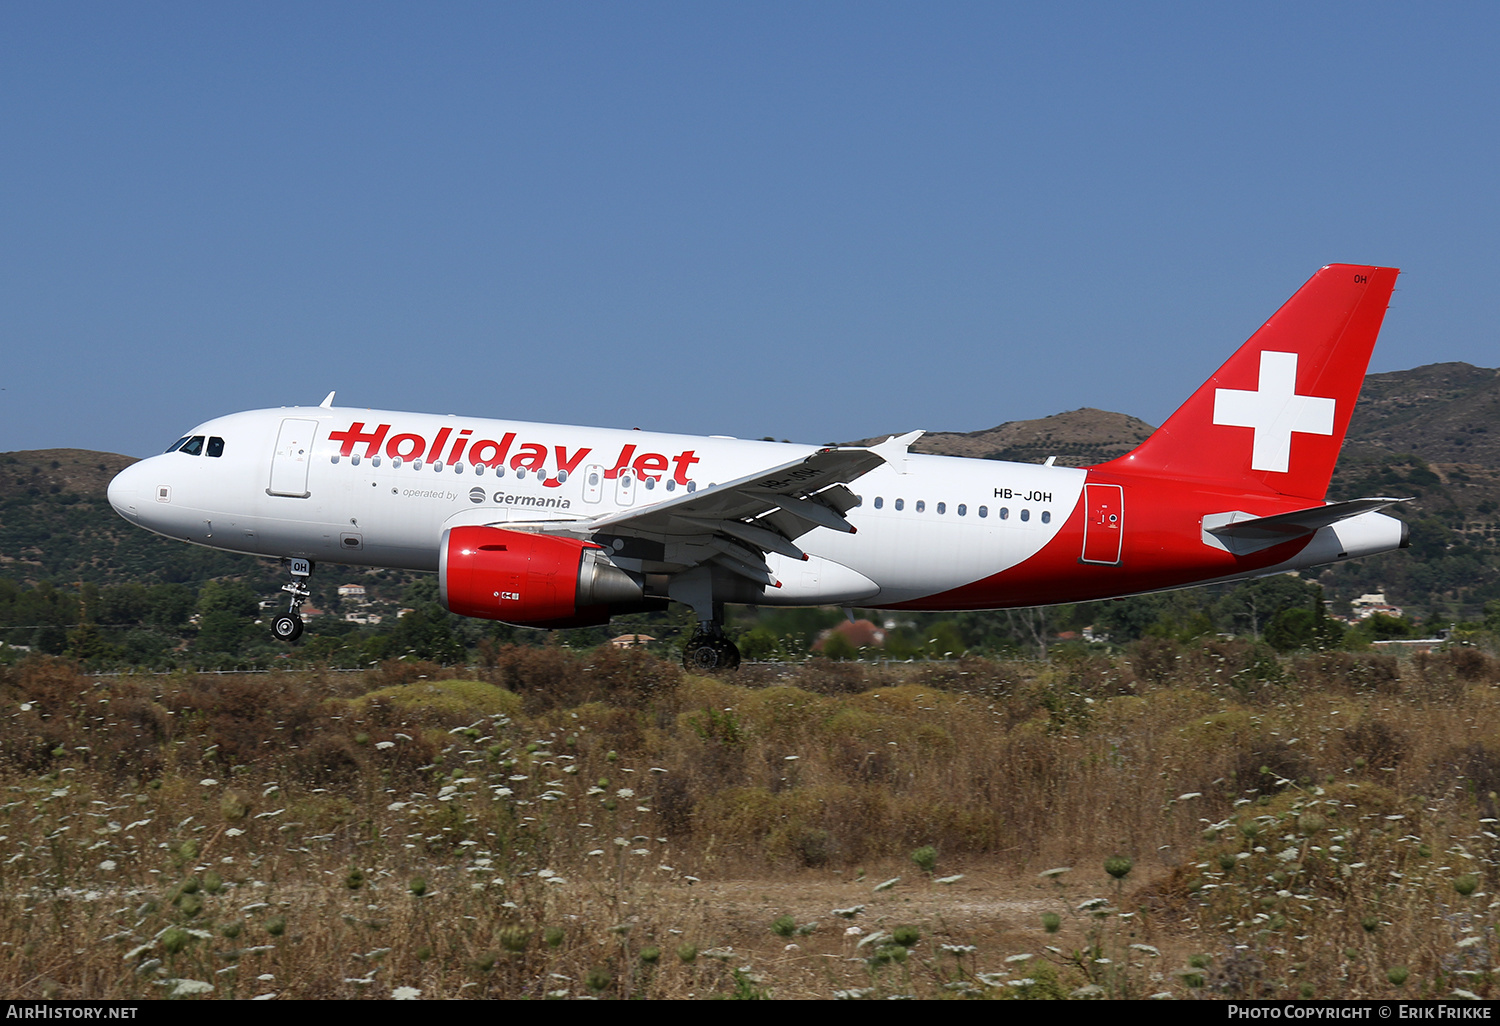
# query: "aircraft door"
[[293, 456], [1103, 523]]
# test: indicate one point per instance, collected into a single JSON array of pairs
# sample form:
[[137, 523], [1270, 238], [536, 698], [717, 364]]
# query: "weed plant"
[[563, 825]]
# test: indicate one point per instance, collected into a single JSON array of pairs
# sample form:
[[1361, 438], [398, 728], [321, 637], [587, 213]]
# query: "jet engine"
[[532, 580]]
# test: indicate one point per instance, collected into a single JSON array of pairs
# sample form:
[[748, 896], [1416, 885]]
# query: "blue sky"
[[814, 221]]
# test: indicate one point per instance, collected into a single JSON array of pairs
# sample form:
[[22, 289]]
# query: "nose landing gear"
[[288, 626]]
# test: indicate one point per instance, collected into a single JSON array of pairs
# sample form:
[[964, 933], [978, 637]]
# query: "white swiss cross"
[[1274, 410]]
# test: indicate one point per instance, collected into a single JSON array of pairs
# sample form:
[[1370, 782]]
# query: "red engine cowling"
[[534, 580]]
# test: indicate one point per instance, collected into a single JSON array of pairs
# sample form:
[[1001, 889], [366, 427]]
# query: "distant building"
[[352, 591], [632, 641], [1368, 605], [366, 618]]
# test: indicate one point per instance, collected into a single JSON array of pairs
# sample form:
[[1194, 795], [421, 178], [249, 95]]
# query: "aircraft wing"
[[733, 524]]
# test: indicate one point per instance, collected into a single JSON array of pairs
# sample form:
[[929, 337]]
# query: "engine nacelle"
[[534, 580]]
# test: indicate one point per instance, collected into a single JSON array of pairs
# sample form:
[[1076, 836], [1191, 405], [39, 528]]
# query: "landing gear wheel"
[[286, 627], [704, 654]]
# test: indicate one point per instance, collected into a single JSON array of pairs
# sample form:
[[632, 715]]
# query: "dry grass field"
[[1194, 821]]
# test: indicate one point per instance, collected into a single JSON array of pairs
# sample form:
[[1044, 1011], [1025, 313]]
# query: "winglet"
[[327, 403], [895, 448]]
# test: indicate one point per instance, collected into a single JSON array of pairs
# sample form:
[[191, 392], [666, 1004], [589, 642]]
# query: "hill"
[[1077, 439], [58, 471]]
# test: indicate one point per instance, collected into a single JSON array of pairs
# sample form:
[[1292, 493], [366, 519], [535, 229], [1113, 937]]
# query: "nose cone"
[[130, 491]]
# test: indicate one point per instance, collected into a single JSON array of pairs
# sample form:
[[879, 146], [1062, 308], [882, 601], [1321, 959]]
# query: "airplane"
[[553, 526]]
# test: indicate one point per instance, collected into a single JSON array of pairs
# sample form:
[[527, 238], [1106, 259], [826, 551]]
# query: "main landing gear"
[[708, 649], [287, 626]]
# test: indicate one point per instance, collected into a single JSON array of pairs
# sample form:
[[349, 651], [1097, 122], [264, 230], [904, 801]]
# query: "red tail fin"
[[1273, 417]]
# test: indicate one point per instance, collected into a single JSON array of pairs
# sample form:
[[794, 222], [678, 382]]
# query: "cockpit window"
[[193, 446], [216, 446], [174, 445]]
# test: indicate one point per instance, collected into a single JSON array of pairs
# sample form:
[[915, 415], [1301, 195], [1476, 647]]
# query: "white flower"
[[625, 792], [108, 865], [182, 988], [382, 746], [208, 782], [405, 994]]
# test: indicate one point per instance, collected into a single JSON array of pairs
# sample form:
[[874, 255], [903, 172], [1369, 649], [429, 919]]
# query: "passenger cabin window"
[[900, 504], [1025, 514], [962, 509], [921, 505], [879, 502], [1046, 516], [942, 507], [984, 511]]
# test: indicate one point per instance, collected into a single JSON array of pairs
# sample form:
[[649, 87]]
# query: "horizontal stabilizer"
[[1241, 532]]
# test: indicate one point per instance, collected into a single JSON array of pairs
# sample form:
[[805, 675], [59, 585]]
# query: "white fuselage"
[[379, 488]]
